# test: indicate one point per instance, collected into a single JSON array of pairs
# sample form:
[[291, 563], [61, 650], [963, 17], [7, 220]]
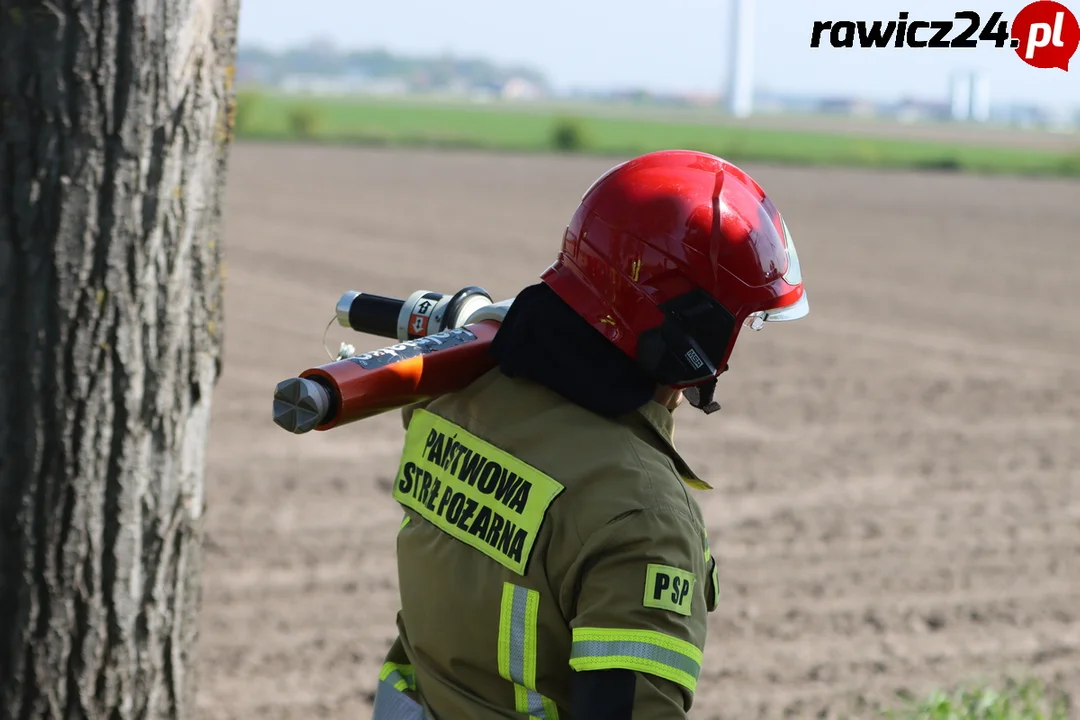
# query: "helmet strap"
[[701, 396]]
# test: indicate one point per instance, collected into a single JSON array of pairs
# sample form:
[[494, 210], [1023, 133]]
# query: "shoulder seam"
[[652, 487], [628, 438]]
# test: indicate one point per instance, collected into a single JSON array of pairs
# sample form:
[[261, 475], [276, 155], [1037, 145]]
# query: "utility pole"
[[740, 94]]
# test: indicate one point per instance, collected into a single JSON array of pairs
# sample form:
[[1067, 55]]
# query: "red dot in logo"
[[1046, 34]]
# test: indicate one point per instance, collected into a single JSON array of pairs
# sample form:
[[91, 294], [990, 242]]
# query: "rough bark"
[[115, 120]]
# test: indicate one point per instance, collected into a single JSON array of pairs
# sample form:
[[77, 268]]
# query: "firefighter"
[[552, 560]]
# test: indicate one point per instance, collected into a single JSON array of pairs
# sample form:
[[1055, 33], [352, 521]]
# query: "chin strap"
[[701, 396]]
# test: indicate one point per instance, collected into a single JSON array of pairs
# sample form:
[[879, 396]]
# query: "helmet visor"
[[796, 311], [793, 276]]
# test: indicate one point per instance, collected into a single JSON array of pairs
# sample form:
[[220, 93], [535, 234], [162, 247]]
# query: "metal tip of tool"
[[300, 405], [344, 305]]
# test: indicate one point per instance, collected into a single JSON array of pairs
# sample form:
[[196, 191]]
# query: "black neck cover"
[[543, 340]]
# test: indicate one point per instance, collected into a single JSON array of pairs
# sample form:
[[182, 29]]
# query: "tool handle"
[[371, 314]]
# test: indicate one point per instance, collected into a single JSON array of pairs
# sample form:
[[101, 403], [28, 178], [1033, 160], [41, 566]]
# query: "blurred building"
[[912, 110], [850, 106], [352, 84], [518, 88]]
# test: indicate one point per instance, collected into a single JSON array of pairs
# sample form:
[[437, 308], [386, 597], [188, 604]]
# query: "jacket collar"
[[661, 422]]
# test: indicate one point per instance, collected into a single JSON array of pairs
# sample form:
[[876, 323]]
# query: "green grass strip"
[[528, 128], [1017, 701]]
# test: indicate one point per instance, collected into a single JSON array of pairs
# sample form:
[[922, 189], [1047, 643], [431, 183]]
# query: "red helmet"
[[670, 254]]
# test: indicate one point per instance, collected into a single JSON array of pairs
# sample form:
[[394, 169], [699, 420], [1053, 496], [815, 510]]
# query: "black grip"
[[375, 315]]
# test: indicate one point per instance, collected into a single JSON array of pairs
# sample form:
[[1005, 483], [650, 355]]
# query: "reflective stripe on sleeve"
[[645, 651], [517, 651], [391, 702], [399, 677]]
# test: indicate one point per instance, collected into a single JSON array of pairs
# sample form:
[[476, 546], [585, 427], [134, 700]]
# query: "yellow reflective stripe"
[[391, 702], [696, 483], [400, 677], [404, 522], [646, 651], [506, 623], [714, 577], [517, 651]]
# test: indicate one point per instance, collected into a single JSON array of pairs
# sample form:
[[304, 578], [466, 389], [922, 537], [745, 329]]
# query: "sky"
[[668, 45]]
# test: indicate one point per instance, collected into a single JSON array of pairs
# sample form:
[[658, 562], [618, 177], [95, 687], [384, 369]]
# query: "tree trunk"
[[115, 120]]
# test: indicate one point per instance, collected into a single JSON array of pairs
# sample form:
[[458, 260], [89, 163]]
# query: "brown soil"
[[896, 503]]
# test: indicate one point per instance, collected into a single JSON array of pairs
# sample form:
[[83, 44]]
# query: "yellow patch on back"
[[668, 588], [472, 490]]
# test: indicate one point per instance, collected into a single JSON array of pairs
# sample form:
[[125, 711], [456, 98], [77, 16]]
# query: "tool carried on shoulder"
[[443, 346]]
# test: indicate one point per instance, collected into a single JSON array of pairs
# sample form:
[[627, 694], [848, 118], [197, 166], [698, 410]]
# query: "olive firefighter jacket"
[[539, 540]]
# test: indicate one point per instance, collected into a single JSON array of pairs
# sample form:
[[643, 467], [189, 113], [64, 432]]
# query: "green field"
[[533, 128], [1016, 701]]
